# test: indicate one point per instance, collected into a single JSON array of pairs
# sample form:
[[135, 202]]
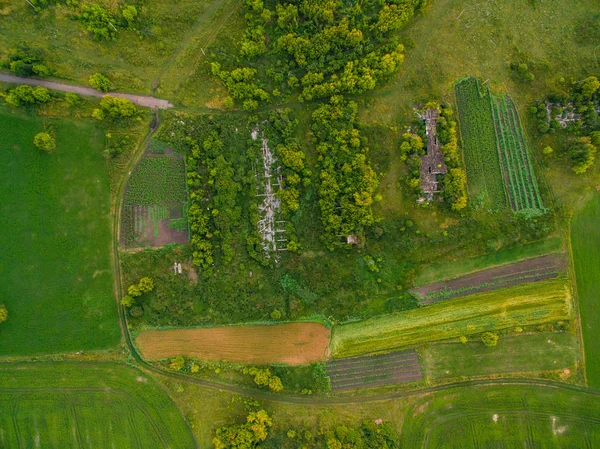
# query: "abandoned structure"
[[432, 163]]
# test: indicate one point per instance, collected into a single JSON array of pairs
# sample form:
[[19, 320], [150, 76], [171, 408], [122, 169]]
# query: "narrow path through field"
[[140, 100]]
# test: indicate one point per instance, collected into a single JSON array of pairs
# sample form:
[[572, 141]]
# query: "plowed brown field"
[[292, 343]]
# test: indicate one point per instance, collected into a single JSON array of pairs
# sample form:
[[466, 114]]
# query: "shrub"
[[489, 339], [44, 142], [3, 313], [100, 82]]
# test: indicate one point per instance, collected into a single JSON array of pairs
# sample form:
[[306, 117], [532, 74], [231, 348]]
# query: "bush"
[[489, 339], [3, 313], [44, 142], [100, 82]]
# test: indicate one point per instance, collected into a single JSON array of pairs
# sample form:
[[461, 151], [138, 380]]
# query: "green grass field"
[[86, 405], [55, 260], [512, 306], [585, 237], [450, 270], [503, 417], [545, 351]]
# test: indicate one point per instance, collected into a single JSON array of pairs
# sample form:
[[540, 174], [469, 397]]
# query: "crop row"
[[157, 181], [384, 372], [358, 372], [516, 166], [409, 376], [484, 173], [368, 361]]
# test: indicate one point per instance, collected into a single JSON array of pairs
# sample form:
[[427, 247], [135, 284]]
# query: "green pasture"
[[503, 416], [524, 304], [442, 271], [86, 405], [545, 351], [585, 238], [55, 260]]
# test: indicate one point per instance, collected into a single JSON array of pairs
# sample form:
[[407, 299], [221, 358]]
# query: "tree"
[[146, 285], [114, 107], [44, 142], [27, 95], [127, 301], [589, 86], [489, 339], [244, 436], [134, 291], [129, 14], [582, 154], [3, 313], [100, 82]]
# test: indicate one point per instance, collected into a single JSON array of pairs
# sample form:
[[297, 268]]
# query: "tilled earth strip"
[[377, 370], [530, 270]]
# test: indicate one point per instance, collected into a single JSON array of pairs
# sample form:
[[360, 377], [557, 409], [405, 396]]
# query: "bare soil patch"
[[291, 343], [530, 270]]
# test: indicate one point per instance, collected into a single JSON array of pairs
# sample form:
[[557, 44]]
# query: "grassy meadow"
[[585, 237], [90, 405], [544, 351], [524, 304], [57, 280]]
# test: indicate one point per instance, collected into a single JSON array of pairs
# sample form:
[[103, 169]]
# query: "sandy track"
[[140, 100], [291, 343]]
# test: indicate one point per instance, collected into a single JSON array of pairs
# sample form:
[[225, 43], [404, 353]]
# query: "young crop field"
[[291, 343], [484, 174], [56, 276], [524, 304], [155, 208], [530, 353], [437, 272], [531, 270], [516, 163], [373, 371], [503, 417], [585, 237], [92, 405]]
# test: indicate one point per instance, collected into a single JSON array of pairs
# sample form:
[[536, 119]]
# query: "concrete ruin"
[[432, 163], [269, 180]]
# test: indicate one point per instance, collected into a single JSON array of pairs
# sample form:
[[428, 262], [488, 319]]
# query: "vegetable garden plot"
[[371, 371], [516, 164], [484, 174], [155, 206]]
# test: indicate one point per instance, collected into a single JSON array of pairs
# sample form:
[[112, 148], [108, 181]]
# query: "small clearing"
[[530, 270], [291, 343]]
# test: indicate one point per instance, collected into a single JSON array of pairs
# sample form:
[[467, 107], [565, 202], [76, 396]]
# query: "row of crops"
[[515, 161], [499, 169], [484, 175], [376, 370]]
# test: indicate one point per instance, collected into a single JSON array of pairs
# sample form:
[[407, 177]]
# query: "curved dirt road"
[[140, 100]]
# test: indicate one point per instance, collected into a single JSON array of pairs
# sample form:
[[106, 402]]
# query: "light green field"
[[504, 417], [585, 237], [545, 351], [450, 270], [86, 405], [55, 270], [513, 306]]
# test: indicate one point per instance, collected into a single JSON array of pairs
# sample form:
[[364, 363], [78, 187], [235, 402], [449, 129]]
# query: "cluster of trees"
[[114, 108], [455, 181], [243, 85], [25, 60], [263, 377], [103, 23], [44, 141], [24, 95], [412, 148], [213, 210], [247, 435], [521, 71], [134, 291], [347, 182], [577, 109]]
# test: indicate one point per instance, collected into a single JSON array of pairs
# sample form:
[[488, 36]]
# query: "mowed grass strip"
[[55, 272], [546, 351], [291, 343], [519, 305], [91, 405], [585, 238], [452, 269]]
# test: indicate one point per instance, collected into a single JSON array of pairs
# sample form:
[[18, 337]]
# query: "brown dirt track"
[[291, 343]]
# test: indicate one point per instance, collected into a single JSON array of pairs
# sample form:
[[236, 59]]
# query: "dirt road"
[[140, 100]]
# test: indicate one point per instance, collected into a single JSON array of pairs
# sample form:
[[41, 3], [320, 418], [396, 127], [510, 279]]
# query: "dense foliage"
[[44, 141], [24, 95]]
